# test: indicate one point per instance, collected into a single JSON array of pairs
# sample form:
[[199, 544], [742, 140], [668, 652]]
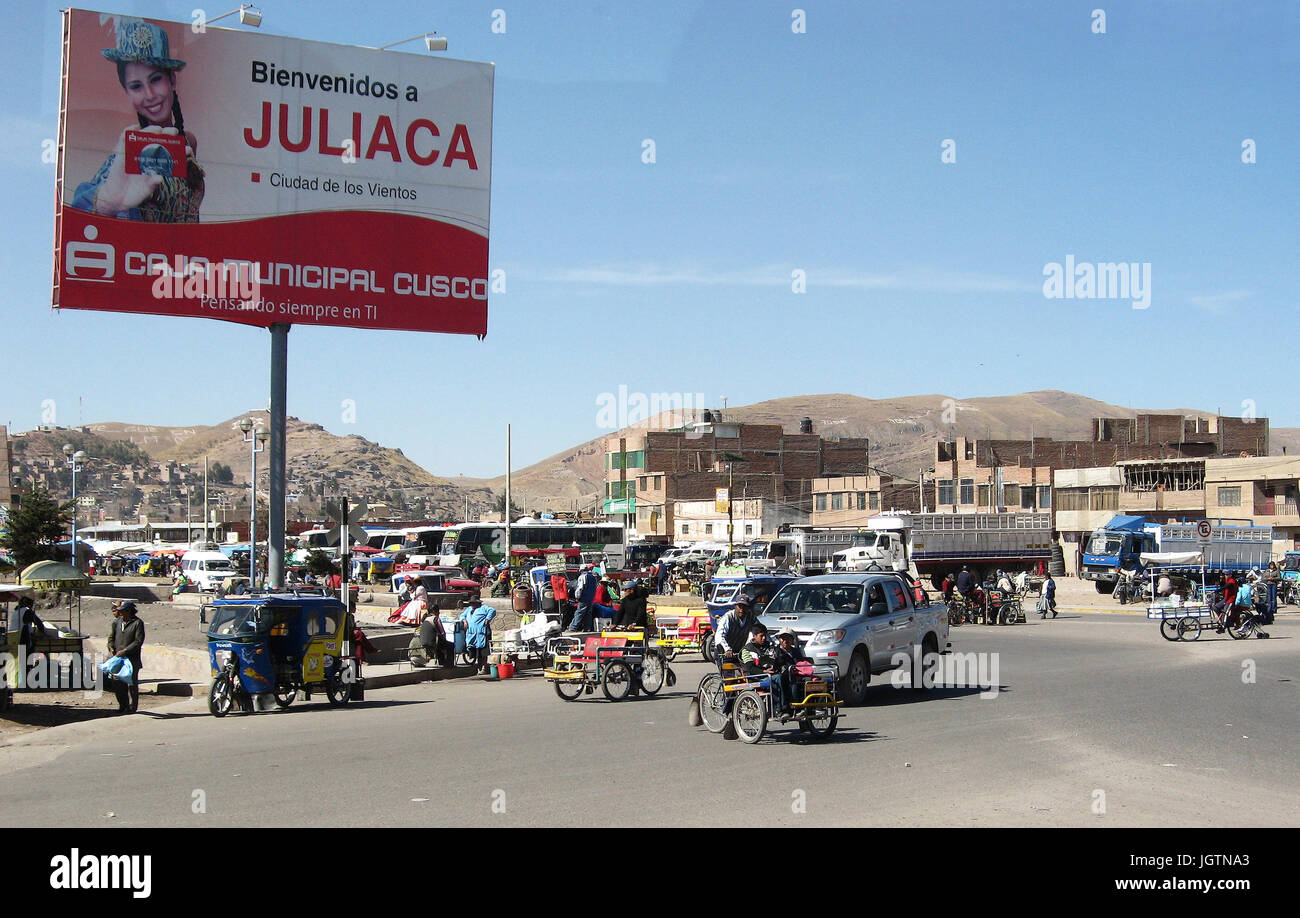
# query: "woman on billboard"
[[151, 174]]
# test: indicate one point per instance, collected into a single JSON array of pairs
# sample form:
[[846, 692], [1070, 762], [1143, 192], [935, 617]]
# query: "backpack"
[[1244, 599]]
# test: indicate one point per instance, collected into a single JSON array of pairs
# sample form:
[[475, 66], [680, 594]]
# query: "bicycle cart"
[[690, 632], [1182, 622], [622, 663], [745, 701], [1004, 608], [1181, 616]]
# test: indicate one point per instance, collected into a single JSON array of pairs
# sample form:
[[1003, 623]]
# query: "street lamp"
[[247, 16], [257, 438], [74, 459]]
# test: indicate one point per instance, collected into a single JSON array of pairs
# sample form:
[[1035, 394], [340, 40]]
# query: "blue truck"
[[1231, 545]]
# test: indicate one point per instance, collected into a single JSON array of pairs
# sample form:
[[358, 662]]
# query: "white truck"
[[934, 544]]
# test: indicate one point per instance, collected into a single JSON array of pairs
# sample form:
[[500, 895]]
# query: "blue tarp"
[[1127, 523]]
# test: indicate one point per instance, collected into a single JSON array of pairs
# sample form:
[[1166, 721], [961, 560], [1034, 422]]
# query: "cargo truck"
[[1227, 545], [931, 545]]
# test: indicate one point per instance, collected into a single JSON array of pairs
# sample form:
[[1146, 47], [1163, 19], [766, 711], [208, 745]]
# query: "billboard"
[[259, 179]]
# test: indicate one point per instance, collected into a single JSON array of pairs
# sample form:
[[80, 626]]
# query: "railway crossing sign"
[[354, 512]]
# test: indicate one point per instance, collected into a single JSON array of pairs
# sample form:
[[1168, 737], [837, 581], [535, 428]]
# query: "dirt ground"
[[164, 623], [32, 711]]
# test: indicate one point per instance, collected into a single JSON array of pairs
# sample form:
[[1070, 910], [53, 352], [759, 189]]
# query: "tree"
[[320, 564], [221, 474], [36, 523], [501, 505]]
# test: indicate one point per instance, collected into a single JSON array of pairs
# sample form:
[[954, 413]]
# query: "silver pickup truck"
[[858, 623]]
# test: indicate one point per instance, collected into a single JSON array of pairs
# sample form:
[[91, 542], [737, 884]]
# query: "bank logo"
[[82, 258]]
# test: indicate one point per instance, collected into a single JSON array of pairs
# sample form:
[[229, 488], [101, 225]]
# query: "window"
[[708, 529], [1230, 497], [862, 500], [1027, 497], [1104, 498], [874, 500], [820, 502], [968, 490], [1011, 495], [749, 529], [1044, 497], [618, 490], [897, 598], [945, 491], [685, 529], [633, 460], [837, 501], [984, 494], [1072, 499]]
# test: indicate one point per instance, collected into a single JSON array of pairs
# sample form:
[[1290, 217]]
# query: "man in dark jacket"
[[965, 583], [632, 610], [126, 640]]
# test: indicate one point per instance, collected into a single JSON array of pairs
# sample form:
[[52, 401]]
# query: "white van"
[[206, 569]]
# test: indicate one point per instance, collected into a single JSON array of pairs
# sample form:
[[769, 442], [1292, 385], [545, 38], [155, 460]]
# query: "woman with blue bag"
[[478, 629]]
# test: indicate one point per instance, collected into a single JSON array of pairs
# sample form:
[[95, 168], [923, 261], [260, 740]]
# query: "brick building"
[[989, 475], [648, 473]]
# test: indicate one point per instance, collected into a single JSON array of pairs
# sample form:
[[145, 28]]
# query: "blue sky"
[[775, 152]]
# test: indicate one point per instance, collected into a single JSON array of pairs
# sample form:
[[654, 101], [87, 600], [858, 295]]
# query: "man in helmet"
[[126, 640]]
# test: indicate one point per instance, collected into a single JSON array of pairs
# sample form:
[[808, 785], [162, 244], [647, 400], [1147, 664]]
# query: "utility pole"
[[731, 538], [507, 515]]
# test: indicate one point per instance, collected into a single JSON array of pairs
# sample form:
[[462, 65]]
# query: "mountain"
[[902, 432], [319, 465]]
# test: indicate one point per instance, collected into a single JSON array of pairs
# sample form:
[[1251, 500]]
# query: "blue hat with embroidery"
[[140, 42]]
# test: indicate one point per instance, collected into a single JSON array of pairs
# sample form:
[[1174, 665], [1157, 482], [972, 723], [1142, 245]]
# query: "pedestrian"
[[31, 628], [1272, 579], [478, 630], [1049, 594], [966, 583], [585, 589], [126, 640], [602, 604], [948, 585], [661, 577]]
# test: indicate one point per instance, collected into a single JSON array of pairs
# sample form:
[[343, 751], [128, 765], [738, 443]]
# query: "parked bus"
[[463, 542]]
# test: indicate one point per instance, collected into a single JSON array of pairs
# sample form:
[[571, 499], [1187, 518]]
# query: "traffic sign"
[[1204, 530]]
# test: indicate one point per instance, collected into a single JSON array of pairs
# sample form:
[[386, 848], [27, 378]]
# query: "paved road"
[[1092, 709]]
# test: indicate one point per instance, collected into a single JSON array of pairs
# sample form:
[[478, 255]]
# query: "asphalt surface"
[[1097, 722]]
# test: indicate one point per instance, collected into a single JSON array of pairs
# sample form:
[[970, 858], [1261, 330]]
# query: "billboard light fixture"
[[432, 40], [248, 16]]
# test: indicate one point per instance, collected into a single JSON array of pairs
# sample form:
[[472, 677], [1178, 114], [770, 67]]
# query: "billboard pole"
[[275, 516]]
